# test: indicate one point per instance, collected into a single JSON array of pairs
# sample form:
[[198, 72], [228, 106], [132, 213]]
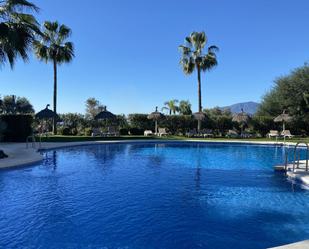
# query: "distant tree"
[[194, 58], [93, 107], [219, 119], [53, 47], [171, 106], [74, 123], [289, 93], [15, 105], [17, 29], [185, 107]]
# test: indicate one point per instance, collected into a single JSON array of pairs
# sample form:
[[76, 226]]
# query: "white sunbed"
[[273, 133], [96, 132], [112, 131], [191, 133], [148, 133], [162, 132], [286, 133]]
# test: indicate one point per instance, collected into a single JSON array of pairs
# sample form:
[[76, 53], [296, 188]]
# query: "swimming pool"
[[153, 195]]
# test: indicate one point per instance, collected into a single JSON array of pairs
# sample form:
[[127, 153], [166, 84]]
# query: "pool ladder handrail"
[[33, 141], [298, 158]]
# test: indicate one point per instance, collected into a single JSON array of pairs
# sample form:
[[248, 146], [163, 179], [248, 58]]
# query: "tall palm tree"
[[194, 58], [17, 29], [53, 47], [185, 107], [171, 106]]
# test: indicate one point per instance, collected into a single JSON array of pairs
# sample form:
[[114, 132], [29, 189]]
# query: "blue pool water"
[[153, 195]]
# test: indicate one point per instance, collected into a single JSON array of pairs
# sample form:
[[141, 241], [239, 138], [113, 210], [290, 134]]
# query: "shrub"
[[178, 123], [136, 131], [65, 131], [123, 132], [19, 127], [140, 121], [263, 124], [87, 131]]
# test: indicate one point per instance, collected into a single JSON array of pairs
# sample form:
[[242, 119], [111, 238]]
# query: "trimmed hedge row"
[[18, 127]]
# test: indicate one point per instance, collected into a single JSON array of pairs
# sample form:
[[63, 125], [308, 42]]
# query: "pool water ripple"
[[153, 195]]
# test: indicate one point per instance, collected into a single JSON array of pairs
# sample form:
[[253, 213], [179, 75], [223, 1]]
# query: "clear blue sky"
[[127, 56]]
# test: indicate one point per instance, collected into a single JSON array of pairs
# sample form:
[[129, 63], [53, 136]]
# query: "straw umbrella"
[[283, 118], [46, 114], [105, 115], [242, 118], [156, 116]]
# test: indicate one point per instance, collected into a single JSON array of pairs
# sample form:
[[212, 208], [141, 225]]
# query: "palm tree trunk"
[[55, 97], [199, 89]]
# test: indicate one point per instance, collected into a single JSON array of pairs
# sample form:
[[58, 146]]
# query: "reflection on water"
[[153, 195]]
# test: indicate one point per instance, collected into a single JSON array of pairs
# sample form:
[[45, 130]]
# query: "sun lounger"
[[96, 132], [191, 133], [148, 133], [273, 133], [286, 133], [232, 134], [162, 132], [207, 133], [112, 131]]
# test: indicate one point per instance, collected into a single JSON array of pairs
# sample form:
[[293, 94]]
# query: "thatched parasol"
[[105, 115], [156, 116], [242, 118], [46, 114], [284, 118]]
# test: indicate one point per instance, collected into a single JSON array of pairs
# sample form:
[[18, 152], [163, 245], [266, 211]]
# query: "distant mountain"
[[248, 107]]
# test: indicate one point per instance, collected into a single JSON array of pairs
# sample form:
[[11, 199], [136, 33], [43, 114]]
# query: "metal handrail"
[[33, 141], [307, 155]]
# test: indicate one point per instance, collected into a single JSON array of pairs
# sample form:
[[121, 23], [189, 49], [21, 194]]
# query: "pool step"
[[289, 167], [299, 174], [299, 245]]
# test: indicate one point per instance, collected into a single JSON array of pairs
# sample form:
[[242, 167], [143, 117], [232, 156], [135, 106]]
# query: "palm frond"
[[51, 26], [213, 49], [17, 30], [52, 47], [13, 5], [208, 62], [64, 32], [185, 50], [188, 65]]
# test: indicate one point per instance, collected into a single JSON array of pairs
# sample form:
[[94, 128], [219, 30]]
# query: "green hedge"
[[18, 127]]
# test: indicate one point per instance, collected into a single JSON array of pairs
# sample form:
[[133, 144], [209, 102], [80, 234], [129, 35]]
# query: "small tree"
[[185, 107], [15, 105], [93, 107], [171, 106]]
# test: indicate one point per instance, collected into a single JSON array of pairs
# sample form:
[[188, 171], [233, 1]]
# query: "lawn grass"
[[60, 138]]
